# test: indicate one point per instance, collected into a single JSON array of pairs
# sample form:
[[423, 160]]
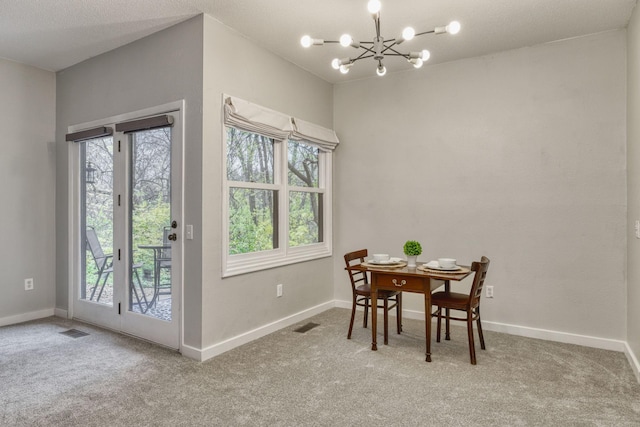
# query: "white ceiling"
[[54, 35]]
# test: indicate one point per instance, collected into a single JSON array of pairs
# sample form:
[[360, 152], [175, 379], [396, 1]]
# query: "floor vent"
[[74, 333], [307, 327]]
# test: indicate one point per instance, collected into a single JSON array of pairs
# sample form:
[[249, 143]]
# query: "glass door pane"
[[150, 291], [96, 194]]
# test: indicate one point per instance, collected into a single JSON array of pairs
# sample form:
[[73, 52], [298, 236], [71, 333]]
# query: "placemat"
[[399, 265], [433, 270]]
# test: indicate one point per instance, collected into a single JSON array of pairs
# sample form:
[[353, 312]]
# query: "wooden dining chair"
[[361, 292], [470, 304]]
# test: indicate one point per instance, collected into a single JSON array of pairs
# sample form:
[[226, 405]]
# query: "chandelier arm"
[[376, 20], [404, 55], [425, 32], [396, 53], [367, 50], [389, 47], [361, 57]]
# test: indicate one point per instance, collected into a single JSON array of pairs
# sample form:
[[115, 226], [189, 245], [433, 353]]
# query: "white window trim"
[[284, 255]]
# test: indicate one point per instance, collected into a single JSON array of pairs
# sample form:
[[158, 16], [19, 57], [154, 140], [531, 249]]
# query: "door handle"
[[172, 237]]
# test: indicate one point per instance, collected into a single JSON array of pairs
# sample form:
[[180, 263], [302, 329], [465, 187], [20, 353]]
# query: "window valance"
[[126, 127], [145, 124], [250, 117], [83, 135], [323, 138], [253, 118]]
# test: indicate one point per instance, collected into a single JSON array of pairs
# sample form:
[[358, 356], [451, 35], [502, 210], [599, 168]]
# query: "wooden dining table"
[[408, 279]]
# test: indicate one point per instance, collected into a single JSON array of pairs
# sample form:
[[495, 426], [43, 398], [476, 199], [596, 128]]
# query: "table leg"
[[447, 288], [427, 316], [374, 311]]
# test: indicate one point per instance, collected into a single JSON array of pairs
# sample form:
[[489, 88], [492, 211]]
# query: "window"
[[305, 196], [277, 190], [253, 219]]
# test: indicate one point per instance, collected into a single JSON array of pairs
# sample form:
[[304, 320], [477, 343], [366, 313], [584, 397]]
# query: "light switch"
[[637, 226], [189, 232]]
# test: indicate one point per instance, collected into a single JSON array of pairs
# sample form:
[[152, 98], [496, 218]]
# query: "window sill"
[[242, 264]]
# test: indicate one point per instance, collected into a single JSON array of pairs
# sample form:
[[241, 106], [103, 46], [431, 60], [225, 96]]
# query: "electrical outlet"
[[489, 292], [28, 284], [279, 290]]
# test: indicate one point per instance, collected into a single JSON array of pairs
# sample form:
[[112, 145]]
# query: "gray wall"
[[199, 60], [519, 156], [235, 66], [27, 174], [633, 179], [161, 68]]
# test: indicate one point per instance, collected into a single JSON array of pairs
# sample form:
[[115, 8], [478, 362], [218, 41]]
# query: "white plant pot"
[[411, 261]]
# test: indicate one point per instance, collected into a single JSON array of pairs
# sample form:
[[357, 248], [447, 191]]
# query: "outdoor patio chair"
[[104, 264]]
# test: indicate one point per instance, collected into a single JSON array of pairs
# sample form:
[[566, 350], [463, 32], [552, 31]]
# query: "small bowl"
[[380, 257], [447, 262]]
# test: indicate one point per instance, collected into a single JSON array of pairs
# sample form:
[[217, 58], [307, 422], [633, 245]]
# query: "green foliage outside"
[[150, 198], [148, 222], [249, 230], [252, 214], [303, 222]]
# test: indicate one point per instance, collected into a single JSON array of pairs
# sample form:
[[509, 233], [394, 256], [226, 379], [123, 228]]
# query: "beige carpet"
[[316, 378]]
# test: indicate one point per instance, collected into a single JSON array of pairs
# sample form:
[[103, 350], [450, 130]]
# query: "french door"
[[128, 228]]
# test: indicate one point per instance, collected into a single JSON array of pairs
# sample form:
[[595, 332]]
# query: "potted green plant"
[[412, 249]]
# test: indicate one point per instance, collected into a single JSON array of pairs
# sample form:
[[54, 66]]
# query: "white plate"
[[455, 267], [388, 262]]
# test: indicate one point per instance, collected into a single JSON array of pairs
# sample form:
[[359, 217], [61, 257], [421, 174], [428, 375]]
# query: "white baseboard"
[[524, 331], [60, 312], [25, 317], [633, 361], [543, 334], [231, 343], [343, 304], [563, 337]]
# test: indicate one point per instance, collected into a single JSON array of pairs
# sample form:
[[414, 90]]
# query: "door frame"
[[74, 208]]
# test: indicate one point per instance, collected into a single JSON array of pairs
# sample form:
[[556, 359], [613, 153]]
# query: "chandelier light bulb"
[[306, 41], [345, 40], [417, 62], [374, 6], [453, 27], [381, 70], [344, 69], [335, 64], [408, 33], [425, 55]]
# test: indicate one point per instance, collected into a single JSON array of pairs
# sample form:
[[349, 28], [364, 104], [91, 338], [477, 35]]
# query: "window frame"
[[283, 255]]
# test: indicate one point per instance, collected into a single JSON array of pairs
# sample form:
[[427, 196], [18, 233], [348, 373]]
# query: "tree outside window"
[[255, 183]]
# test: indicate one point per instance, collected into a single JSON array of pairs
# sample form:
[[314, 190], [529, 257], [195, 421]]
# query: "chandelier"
[[379, 48]]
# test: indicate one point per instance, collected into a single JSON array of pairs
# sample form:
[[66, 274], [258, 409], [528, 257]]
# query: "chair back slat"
[[481, 269], [96, 249], [355, 258]]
